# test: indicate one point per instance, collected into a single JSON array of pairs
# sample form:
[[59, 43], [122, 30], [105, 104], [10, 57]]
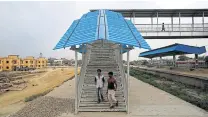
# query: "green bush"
[[30, 98]]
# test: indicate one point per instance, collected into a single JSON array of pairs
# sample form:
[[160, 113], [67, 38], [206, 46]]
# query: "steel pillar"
[[172, 23], [196, 60], [151, 23], [157, 22], [179, 18], [174, 61], [76, 84], [203, 20], [134, 18], [192, 23], [160, 62]]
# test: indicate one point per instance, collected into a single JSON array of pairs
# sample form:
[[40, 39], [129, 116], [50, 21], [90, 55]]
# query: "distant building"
[[29, 62], [58, 62], [41, 62], [14, 63]]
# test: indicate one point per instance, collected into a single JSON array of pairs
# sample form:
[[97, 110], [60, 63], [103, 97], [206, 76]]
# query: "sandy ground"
[[145, 101], [12, 101]]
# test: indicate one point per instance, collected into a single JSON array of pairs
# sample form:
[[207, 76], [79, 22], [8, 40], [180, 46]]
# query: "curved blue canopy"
[[174, 49], [102, 24]]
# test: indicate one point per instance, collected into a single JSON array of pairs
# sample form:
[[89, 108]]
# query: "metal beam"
[[76, 84]]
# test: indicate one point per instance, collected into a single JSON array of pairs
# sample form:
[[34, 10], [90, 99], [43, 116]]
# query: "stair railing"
[[118, 58], [82, 73]]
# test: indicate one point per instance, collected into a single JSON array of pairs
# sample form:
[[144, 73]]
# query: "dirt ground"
[[197, 72], [13, 100]]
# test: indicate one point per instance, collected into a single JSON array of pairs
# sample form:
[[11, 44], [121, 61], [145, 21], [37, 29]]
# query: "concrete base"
[[145, 101]]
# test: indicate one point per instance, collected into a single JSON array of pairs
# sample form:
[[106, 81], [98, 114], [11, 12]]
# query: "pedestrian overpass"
[[197, 27], [101, 36]]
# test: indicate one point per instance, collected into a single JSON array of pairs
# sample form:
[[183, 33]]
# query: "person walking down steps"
[[112, 86], [99, 82]]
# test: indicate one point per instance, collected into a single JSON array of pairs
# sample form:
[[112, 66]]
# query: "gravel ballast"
[[46, 106]]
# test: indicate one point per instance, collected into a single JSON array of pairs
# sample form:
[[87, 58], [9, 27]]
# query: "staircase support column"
[[76, 84], [128, 81]]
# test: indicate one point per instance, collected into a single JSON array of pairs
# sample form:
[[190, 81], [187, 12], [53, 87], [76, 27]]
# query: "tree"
[[201, 58], [183, 58], [124, 62], [51, 61], [144, 62]]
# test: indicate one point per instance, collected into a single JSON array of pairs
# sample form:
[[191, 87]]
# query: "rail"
[[82, 74], [198, 27], [123, 76]]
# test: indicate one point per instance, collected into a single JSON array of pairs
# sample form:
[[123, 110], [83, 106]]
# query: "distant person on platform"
[[99, 82], [163, 27], [112, 86]]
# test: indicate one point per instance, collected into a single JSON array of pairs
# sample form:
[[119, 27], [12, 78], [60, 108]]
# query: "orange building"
[[29, 62], [13, 63], [41, 62], [10, 63]]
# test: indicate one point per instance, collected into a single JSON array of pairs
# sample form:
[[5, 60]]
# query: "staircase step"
[[102, 66], [120, 99], [90, 92], [100, 104], [95, 95], [121, 89], [86, 109], [93, 82], [94, 73], [99, 59], [93, 85], [107, 106], [105, 75], [91, 70]]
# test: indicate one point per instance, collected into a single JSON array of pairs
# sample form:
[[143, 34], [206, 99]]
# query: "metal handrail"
[[173, 27], [82, 74], [123, 79]]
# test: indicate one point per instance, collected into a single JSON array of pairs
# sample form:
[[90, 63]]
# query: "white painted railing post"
[[76, 86]]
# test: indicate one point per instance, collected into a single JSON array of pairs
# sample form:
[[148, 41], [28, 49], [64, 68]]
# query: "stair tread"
[[102, 110]]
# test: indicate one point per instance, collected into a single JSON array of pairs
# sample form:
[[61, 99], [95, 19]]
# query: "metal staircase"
[[101, 55]]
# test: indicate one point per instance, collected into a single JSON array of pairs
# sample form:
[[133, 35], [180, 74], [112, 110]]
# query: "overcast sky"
[[28, 28]]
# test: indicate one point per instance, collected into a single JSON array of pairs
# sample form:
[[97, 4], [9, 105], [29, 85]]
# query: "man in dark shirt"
[[112, 86]]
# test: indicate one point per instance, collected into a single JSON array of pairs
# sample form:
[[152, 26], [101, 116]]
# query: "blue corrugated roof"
[[175, 49], [102, 24]]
